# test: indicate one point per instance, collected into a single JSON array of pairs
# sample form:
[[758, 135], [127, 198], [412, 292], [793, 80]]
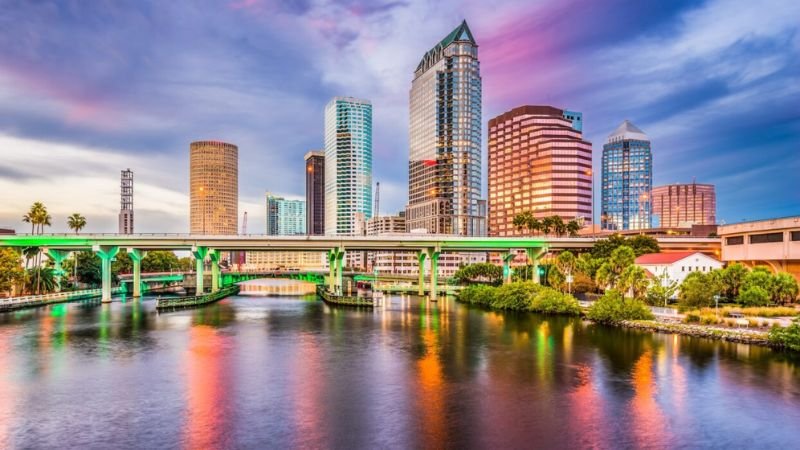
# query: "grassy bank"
[[614, 309]]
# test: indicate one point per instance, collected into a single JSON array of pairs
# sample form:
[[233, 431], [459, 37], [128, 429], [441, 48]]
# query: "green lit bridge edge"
[[203, 246]]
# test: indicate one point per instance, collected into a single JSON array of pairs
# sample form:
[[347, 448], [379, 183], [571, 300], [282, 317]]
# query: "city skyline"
[[134, 107]]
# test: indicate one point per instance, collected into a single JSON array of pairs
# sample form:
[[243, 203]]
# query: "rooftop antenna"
[[244, 223], [377, 207]]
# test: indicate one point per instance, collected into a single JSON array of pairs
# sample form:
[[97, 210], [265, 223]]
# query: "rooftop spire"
[[460, 33], [627, 130]]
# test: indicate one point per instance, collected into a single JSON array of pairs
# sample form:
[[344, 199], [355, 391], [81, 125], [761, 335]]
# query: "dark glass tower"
[[315, 192]]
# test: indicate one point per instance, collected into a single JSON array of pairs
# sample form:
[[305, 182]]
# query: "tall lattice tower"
[[126, 202]]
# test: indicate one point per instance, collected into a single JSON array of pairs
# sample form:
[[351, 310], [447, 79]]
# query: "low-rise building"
[[675, 267], [772, 243]]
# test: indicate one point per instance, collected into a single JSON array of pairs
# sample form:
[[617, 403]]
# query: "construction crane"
[[377, 208]]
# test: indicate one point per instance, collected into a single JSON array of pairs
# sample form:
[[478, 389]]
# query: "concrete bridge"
[[202, 247]]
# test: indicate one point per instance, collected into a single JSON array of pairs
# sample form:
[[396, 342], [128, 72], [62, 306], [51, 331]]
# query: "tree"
[[45, 279], [573, 227], [783, 288], [588, 264], [608, 275], [642, 244], [613, 307], [479, 273], [559, 227], [604, 247], [760, 277], [547, 225], [534, 225], [160, 261], [520, 221], [122, 263], [11, 271], [731, 279], [633, 280], [566, 263], [697, 291], [89, 270], [185, 264], [76, 222], [754, 295], [661, 291]]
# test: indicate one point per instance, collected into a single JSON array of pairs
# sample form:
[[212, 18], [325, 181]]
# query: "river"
[[294, 373]]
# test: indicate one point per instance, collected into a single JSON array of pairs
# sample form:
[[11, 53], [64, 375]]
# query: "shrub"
[[613, 307], [788, 337], [754, 295], [697, 290], [550, 301], [516, 296], [477, 295]]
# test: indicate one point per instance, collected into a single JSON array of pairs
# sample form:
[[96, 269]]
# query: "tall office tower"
[[444, 167], [126, 202], [348, 164], [627, 179], [213, 187], [285, 217], [315, 192], [538, 162], [684, 205]]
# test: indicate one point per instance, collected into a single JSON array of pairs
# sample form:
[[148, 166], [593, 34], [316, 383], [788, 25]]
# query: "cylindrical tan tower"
[[213, 187]]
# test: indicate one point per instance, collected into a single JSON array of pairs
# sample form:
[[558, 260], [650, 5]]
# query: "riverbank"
[[169, 303], [742, 336]]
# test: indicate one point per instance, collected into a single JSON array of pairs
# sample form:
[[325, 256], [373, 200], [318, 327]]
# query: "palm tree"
[[547, 225], [559, 228], [573, 227], [534, 225], [76, 222], [519, 221]]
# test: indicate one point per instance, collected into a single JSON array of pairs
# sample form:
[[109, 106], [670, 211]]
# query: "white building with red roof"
[[674, 267]]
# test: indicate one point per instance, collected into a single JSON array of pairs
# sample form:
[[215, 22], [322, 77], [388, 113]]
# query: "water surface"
[[252, 372]]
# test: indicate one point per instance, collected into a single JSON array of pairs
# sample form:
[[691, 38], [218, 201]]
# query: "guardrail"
[[9, 304], [163, 303]]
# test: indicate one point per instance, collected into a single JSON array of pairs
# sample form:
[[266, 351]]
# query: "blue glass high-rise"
[[627, 180]]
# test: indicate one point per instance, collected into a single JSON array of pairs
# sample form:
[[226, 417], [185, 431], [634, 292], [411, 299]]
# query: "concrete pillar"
[[58, 256], [507, 258], [339, 269], [214, 255], [106, 254], [332, 270], [533, 258], [421, 260], [199, 254], [137, 256], [433, 254]]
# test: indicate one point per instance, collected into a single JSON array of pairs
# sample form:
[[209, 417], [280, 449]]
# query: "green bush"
[[550, 301], [477, 295], [515, 296], [788, 337], [754, 295], [613, 307]]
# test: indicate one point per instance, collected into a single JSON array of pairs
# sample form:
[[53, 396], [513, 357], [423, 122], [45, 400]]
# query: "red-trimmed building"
[[677, 265]]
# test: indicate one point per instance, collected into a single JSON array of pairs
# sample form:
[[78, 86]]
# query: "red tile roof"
[[663, 258]]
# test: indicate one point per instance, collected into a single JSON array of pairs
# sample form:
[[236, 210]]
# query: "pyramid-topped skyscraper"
[[444, 167], [627, 179]]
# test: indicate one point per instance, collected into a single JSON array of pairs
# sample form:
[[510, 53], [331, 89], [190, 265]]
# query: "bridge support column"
[[213, 255], [421, 260], [106, 254], [199, 254], [332, 270], [58, 256], [137, 256], [507, 258], [533, 259], [339, 270], [433, 254]]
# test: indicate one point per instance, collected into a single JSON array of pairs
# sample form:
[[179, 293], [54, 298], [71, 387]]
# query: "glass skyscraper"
[[348, 164], [285, 217], [627, 179], [444, 167]]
